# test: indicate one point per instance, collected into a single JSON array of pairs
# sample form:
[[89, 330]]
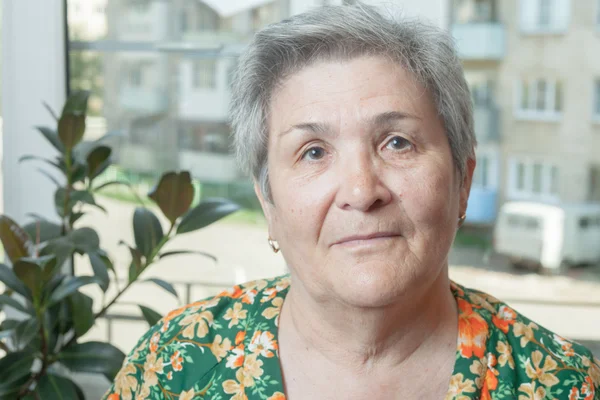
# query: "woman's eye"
[[398, 143], [314, 153]]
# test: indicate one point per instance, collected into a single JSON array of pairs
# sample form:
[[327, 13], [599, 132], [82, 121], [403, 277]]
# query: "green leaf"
[[100, 265], [74, 197], [62, 248], [9, 301], [77, 103], [71, 129], [165, 285], [52, 137], [151, 316], [135, 268], [85, 239], [147, 230], [206, 213], [50, 110], [94, 357], [15, 369], [74, 217], [8, 277], [25, 331], [54, 387], [79, 172], [49, 176], [68, 286], [15, 240], [47, 230], [52, 163], [180, 252], [98, 160], [30, 274], [82, 312], [173, 194]]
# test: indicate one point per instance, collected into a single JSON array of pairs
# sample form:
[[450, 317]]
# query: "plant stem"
[[4, 347], [36, 377]]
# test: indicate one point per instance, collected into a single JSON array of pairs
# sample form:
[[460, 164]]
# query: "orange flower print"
[[125, 382], [505, 351], [235, 314], [152, 367], [236, 293], [587, 389], [220, 347], [236, 389], [143, 393], [526, 331], [154, 342], [594, 371], [273, 312], [170, 375], [177, 361], [574, 394], [504, 318], [473, 331], [459, 386], [250, 371], [490, 382], [543, 374], [196, 324], [277, 396], [249, 296], [236, 358], [113, 396], [239, 338], [268, 294], [531, 393], [187, 395], [263, 343], [565, 345]]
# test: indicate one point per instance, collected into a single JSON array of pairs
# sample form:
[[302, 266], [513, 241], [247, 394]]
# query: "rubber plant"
[[43, 311]]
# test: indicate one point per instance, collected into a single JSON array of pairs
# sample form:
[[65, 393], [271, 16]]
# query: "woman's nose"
[[361, 186]]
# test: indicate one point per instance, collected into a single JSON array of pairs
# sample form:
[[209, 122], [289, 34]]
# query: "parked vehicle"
[[550, 236]]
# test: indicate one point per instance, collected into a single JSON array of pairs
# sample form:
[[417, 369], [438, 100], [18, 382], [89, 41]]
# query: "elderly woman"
[[358, 132]]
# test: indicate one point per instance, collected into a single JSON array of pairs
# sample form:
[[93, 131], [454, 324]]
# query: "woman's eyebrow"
[[324, 128]]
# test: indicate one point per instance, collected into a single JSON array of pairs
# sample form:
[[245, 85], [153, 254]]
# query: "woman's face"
[[366, 198]]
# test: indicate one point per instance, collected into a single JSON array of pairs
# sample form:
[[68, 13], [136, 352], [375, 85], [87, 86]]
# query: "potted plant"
[[46, 314]]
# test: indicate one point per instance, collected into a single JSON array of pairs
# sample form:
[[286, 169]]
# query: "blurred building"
[[532, 67]]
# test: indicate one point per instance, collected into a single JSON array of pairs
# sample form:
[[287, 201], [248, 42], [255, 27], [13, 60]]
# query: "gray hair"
[[345, 33]]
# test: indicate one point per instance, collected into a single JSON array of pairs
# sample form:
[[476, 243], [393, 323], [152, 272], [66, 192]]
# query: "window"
[[544, 16], [540, 99], [597, 99], [204, 74], [594, 183], [535, 180]]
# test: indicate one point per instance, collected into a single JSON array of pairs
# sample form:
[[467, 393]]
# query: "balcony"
[[487, 122], [480, 40], [143, 100]]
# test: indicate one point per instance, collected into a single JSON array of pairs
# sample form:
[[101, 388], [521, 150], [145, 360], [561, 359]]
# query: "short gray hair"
[[344, 33]]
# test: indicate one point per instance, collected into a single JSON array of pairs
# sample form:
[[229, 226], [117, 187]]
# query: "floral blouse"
[[226, 348]]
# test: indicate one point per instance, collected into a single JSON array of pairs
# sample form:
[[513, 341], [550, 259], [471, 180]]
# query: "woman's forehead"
[[354, 90]]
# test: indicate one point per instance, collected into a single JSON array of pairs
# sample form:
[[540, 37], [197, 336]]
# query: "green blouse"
[[226, 348]]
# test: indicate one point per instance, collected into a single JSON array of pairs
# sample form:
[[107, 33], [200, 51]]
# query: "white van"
[[546, 235]]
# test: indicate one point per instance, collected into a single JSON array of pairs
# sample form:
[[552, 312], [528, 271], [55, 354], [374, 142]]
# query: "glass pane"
[[520, 176], [597, 97], [545, 10], [554, 180], [537, 178], [525, 95], [558, 96], [541, 95], [161, 83]]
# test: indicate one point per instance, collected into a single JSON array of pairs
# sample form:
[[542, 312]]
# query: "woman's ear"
[[265, 205], [465, 188]]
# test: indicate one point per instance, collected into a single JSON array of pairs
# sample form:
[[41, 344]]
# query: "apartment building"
[[551, 97]]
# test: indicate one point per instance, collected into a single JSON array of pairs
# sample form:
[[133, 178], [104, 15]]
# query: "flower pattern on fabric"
[[226, 348]]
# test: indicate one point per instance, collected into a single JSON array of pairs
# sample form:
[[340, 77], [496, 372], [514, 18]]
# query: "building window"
[[594, 184], [597, 99], [535, 180], [540, 98], [544, 16], [205, 74]]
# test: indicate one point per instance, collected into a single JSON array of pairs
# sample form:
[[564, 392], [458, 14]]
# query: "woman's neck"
[[363, 340]]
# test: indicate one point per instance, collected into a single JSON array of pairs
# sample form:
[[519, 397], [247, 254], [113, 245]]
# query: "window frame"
[[549, 182], [527, 92]]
